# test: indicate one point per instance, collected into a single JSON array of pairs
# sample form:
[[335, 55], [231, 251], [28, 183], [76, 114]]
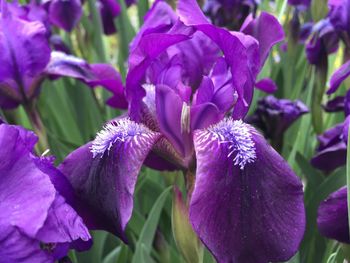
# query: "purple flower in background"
[[323, 41], [338, 77], [37, 222], [339, 15], [274, 116], [185, 76], [27, 60], [229, 13], [300, 3], [331, 152], [332, 217], [109, 10], [64, 14]]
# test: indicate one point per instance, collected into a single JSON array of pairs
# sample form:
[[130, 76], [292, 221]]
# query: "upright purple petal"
[[104, 173], [332, 219], [24, 55], [65, 13], [237, 169], [267, 30], [172, 120]]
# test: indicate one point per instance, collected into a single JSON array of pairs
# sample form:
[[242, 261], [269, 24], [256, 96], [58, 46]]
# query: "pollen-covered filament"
[[238, 137], [120, 130]]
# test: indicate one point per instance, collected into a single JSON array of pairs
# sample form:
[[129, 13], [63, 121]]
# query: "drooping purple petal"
[[24, 54], [36, 222], [104, 173], [267, 30], [26, 211], [237, 169], [332, 219], [63, 65], [338, 77], [65, 13]]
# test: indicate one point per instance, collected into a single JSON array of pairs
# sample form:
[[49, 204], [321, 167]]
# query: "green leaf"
[[144, 244], [113, 256]]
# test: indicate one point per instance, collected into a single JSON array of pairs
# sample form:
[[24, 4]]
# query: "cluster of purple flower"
[[188, 90]]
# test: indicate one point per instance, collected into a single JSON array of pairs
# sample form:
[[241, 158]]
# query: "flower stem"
[[38, 127], [348, 178]]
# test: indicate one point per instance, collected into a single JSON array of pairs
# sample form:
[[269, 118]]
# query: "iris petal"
[[104, 173], [250, 213]]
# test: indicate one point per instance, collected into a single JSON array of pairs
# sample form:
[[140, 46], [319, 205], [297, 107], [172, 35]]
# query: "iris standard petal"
[[104, 173], [247, 203], [234, 49], [24, 55], [267, 30], [332, 219]]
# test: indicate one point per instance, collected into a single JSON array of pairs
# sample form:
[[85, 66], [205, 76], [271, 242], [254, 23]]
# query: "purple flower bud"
[[274, 116]]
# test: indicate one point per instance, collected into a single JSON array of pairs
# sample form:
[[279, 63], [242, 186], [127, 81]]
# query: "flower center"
[[120, 130], [237, 135]]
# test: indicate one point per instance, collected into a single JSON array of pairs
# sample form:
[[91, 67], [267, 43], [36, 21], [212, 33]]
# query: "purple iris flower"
[[229, 13], [27, 60], [331, 152], [338, 77], [332, 217], [109, 10], [339, 15], [274, 116], [324, 40], [64, 14], [185, 77], [37, 222]]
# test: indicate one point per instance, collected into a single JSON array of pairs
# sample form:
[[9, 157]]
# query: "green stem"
[[38, 127], [98, 31], [348, 177]]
